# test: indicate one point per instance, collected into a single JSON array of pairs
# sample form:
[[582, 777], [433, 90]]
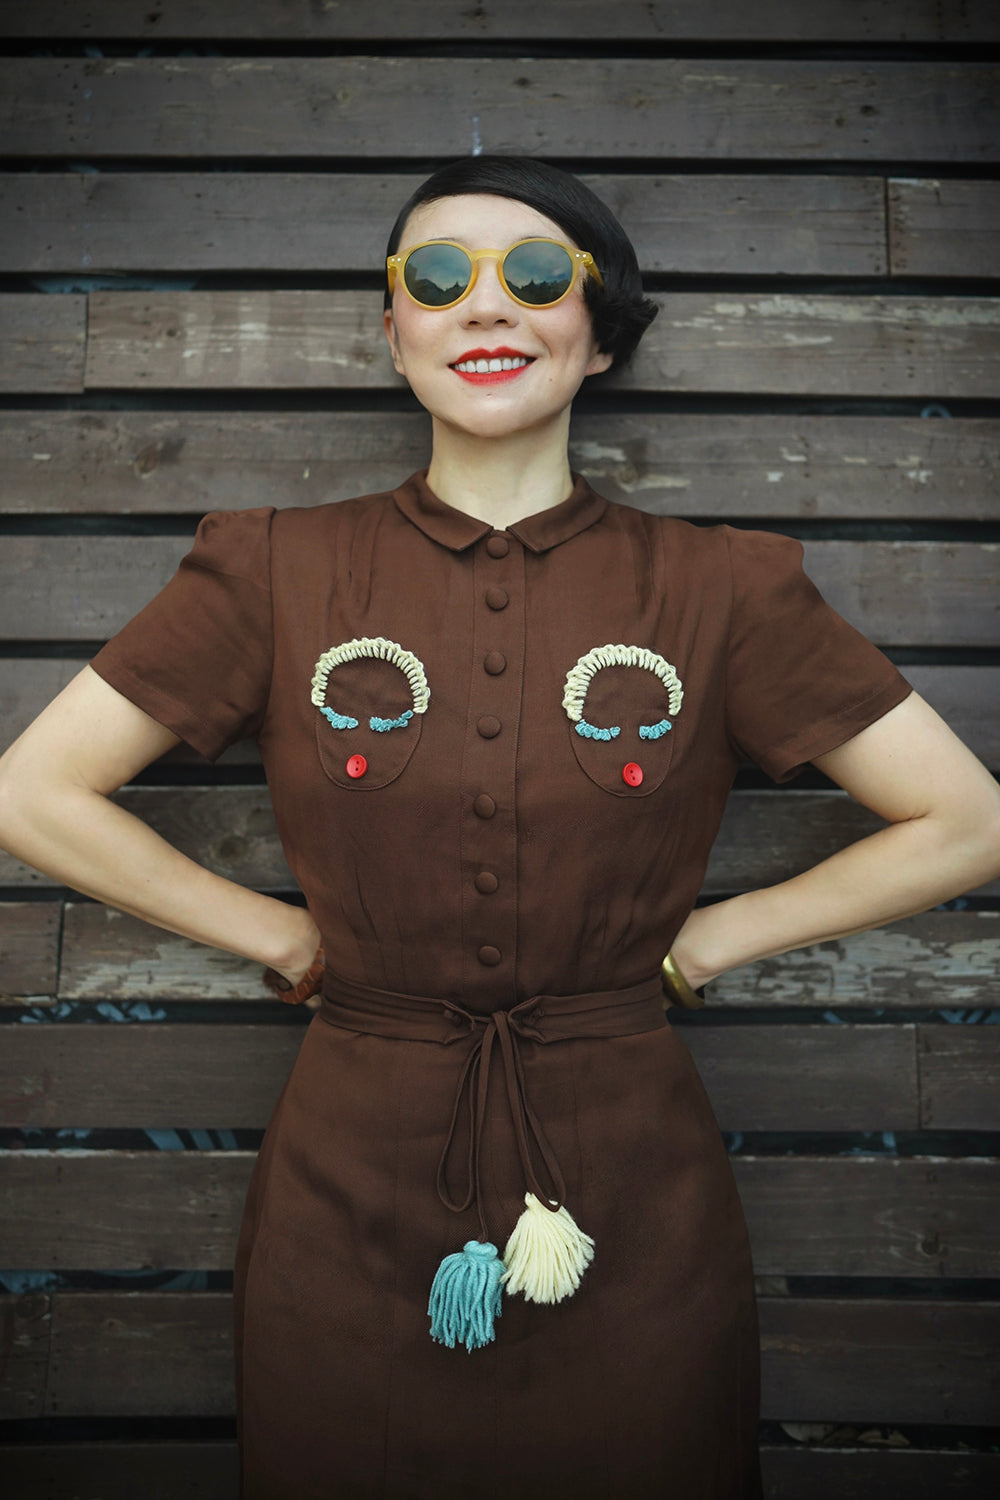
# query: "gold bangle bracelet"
[[676, 987]]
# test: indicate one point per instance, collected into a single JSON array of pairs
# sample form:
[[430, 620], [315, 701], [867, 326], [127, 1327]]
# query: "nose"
[[488, 303]]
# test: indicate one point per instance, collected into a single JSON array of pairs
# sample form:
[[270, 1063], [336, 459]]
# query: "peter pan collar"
[[454, 529]]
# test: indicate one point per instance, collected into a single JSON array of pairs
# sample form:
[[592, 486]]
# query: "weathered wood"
[[29, 948], [220, 1077], [872, 1473], [820, 1216], [960, 1076], [947, 959], [897, 593], [25, 1333], [943, 228], [687, 464], [839, 1359], [765, 836], [834, 1359], [401, 107], [517, 20], [43, 339], [702, 341], [239, 221]]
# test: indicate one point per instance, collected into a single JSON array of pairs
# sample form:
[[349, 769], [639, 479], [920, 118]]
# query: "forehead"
[[479, 220]]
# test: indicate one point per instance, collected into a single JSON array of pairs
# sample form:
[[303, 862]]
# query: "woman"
[[493, 1244]]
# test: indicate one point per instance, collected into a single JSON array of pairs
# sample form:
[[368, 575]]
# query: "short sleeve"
[[198, 657], [800, 680]]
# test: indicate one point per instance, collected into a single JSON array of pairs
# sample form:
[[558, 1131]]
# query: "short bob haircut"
[[620, 311]]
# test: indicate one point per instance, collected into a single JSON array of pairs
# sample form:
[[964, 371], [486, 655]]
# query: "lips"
[[491, 366]]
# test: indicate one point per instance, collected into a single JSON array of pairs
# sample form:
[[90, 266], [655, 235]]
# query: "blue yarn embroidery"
[[590, 732], [381, 725], [339, 721], [654, 731]]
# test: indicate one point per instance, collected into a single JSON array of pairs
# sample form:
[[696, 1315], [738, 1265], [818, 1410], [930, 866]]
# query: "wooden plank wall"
[[194, 200]]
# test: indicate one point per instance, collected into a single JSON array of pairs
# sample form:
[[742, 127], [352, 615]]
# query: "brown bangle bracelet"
[[676, 987], [310, 984]]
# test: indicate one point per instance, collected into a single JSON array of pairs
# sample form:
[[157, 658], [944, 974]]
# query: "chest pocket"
[[622, 703], [370, 695]]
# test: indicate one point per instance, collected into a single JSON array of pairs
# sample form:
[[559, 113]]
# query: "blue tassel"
[[466, 1295]]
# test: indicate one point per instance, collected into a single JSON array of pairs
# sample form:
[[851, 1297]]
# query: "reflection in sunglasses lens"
[[538, 273], [437, 274]]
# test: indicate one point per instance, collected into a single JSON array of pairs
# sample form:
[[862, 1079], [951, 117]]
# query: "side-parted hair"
[[620, 310]]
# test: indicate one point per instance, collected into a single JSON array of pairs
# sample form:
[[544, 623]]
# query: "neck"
[[501, 479]]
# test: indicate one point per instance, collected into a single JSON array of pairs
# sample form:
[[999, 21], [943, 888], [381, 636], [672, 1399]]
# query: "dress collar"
[[454, 529]]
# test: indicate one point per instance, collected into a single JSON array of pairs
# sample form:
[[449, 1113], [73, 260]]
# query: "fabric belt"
[[542, 1018]]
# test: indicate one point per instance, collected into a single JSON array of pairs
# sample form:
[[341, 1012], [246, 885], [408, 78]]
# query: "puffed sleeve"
[[198, 657], [800, 679]]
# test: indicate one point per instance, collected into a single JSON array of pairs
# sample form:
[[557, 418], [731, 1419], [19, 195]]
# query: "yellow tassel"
[[546, 1254]]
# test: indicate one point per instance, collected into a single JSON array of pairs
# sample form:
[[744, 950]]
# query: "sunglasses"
[[535, 272]]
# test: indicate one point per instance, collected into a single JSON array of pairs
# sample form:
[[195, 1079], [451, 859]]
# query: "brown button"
[[497, 598], [488, 727], [497, 546], [495, 662], [489, 956], [484, 806], [486, 882]]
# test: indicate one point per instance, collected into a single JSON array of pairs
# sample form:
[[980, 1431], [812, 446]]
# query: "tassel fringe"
[[466, 1295], [547, 1253]]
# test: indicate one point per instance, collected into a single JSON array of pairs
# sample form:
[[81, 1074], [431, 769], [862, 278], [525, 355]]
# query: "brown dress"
[[491, 866]]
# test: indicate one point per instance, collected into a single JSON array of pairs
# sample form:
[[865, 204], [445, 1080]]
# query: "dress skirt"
[[643, 1383]]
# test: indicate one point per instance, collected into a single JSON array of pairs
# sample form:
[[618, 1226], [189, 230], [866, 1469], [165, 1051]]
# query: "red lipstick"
[[491, 377]]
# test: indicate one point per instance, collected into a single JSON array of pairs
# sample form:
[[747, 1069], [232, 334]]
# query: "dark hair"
[[619, 309]]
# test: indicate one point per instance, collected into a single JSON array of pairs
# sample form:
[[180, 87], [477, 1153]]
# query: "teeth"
[[491, 366]]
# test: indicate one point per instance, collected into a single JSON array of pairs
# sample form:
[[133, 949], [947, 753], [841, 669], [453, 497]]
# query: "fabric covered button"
[[632, 774], [484, 806], [495, 662], [489, 956], [497, 598], [488, 726], [497, 546], [486, 882], [356, 766]]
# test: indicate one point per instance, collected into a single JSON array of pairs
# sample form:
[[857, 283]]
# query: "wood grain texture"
[[42, 338], [29, 948], [896, 593], [943, 228], [764, 225], [399, 107], [807, 1215], [712, 342], [872, 1473], [686, 464], [227, 1077], [489, 20], [765, 836], [25, 1337], [960, 1076]]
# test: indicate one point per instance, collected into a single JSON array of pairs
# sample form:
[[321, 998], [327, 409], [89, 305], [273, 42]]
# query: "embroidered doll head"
[[621, 702], [370, 694]]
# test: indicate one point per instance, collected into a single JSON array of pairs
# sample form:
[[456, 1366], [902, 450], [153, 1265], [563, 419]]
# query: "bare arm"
[[943, 838], [55, 814]]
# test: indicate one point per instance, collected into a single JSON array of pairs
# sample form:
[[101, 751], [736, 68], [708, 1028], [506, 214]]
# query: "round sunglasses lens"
[[538, 273], [437, 274]]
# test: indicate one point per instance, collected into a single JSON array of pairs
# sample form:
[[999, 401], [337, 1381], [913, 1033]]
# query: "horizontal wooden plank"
[[29, 948], [514, 20], [943, 228], [687, 464], [840, 1359], [239, 221], [163, 1470], [897, 593], [765, 836], [25, 1336], [807, 1215], [43, 341], [959, 1076], [403, 107], [170, 1076], [712, 342]]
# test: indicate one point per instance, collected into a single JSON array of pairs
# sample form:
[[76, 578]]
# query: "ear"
[[389, 324], [599, 361]]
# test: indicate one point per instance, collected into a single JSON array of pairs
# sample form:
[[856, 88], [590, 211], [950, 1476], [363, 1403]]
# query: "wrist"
[[301, 939]]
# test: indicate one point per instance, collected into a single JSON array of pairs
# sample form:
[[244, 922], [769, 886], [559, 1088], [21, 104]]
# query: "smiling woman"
[[493, 1242]]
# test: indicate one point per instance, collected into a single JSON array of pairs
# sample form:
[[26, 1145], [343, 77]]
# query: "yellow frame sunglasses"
[[418, 276]]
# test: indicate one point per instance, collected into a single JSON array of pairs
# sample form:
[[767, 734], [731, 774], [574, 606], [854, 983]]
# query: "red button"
[[632, 774], [497, 546], [486, 882], [356, 766], [497, 598], [495, 662], [489, 956], [484, 806]]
